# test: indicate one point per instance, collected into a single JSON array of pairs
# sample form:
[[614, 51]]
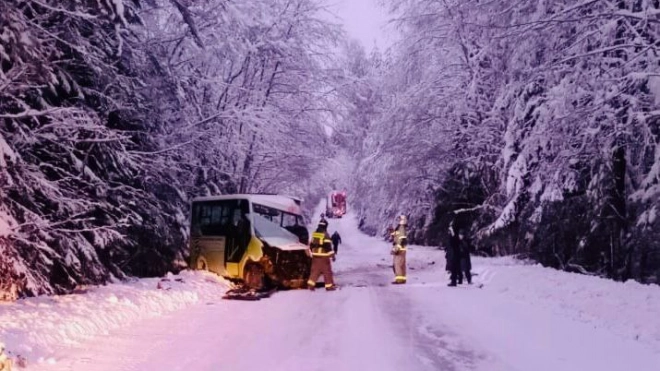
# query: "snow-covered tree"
[[114, 113], [542, 112]]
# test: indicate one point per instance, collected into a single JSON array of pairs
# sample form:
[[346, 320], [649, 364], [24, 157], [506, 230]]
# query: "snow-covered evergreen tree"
[[531, 123], [113, 114]]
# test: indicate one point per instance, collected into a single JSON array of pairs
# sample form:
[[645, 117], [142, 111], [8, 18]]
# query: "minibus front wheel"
[[254, 276]]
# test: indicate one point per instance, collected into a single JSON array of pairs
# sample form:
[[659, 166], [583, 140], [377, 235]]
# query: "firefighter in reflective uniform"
[[399, 245], [322, 252]]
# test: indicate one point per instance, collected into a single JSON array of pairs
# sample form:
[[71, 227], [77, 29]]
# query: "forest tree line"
[[533, 125]]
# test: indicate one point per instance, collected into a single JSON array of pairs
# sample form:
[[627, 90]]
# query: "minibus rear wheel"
[[202, 264]]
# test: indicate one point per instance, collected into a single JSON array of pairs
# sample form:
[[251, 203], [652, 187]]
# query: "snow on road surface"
[[524, 318]]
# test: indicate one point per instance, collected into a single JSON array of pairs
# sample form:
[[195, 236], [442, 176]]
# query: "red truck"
[[335, 206]]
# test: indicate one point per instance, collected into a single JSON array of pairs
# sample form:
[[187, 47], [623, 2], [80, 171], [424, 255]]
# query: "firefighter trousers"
[[400, 267], [321, 265]]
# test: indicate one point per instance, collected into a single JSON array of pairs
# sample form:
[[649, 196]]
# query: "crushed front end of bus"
[[286, 268]]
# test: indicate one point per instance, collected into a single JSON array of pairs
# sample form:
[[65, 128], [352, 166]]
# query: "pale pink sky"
[[364, 20]]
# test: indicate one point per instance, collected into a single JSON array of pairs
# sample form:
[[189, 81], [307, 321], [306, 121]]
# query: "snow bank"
[[628, 310], [33, 327]]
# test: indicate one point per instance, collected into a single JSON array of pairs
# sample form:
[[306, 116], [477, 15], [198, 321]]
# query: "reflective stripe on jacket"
[[321, 245]]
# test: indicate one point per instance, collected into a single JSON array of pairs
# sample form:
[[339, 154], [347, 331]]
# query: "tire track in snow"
[[435, 346], [424, 346]]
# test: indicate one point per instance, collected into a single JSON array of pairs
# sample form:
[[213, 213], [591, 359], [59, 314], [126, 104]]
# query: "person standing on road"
[[454, 257], [336, 240], [322, 252], [466, 261], [399, 247], [448, 259]]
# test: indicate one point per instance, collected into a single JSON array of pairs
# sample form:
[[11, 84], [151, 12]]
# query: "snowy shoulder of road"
[[536, 318], [515, 316], [525, 316], [36, 328], [628, 309]]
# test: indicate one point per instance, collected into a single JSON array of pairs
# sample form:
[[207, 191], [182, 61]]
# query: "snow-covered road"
[[524, 318], [366, 325]]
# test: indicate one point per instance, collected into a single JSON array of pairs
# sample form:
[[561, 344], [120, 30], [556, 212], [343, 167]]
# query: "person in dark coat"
[[453, 255], [449, 257], [466, 261], [336, 240]]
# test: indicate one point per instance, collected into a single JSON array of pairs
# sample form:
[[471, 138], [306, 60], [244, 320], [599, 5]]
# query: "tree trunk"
[[617, 215]]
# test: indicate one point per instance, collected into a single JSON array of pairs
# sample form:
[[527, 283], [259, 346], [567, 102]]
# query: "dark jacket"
[[336, 239], [466, 261], [453, 253]]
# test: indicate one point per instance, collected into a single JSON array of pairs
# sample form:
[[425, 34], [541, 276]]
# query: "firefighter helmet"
[[403, 220], [323, 224]]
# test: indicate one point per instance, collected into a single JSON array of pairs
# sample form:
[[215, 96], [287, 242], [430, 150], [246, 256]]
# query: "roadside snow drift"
[[31, 328], [627, 309]]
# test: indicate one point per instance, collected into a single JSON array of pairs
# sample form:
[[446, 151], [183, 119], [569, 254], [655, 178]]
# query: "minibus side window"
[[211, 218]]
